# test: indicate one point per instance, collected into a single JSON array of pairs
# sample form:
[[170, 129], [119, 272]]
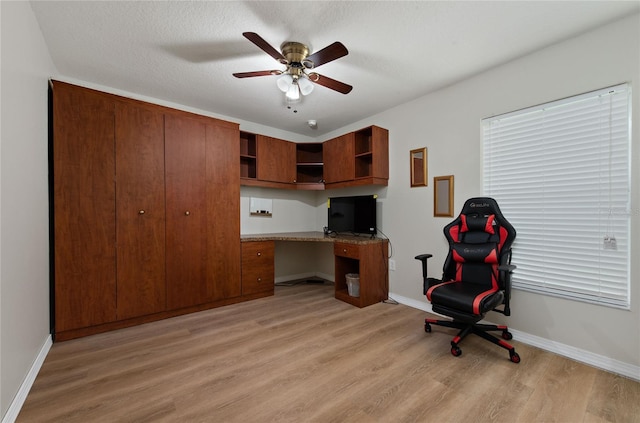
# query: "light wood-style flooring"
[[303, 356]]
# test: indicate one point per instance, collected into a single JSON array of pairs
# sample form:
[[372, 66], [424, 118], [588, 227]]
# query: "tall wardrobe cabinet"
[[146, 212]]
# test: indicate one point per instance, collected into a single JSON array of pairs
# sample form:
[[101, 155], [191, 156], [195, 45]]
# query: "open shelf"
[[248, 161], [309, 166]]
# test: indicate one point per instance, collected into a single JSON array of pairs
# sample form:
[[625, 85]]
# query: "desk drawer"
[[257, 266], [346, 250]]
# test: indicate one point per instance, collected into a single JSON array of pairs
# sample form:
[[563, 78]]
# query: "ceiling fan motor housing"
[[296, 54]]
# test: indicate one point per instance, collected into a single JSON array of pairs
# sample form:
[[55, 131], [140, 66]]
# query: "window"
[[561, 174]]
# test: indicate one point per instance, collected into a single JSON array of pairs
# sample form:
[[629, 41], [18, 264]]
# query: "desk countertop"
[[310, 236]]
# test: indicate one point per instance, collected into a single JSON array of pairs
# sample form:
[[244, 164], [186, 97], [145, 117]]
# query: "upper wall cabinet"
[[357, 158], [267, 162], [339, 155], [276, 160]]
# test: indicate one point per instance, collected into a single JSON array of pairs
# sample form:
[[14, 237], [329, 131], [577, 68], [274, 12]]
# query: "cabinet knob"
[[344, 250], [187, 213], [141, 212], [259, 279], [259, 254]]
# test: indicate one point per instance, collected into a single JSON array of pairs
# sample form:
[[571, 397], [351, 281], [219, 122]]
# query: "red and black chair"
[[476, 275]]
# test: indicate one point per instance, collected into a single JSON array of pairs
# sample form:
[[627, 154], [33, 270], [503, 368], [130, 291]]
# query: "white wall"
[[24, 228], [447, 122]]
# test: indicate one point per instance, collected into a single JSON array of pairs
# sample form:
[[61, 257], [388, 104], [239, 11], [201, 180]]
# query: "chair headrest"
[[475, 222]]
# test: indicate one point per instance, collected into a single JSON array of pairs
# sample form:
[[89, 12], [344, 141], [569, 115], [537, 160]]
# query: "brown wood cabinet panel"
[[186, 219], [339, 164], [258, 267], [140, 211], [276, 160], [84, 216], [369, 261], [223, 207]]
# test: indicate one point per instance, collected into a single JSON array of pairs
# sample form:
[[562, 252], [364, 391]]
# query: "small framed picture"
[[443, 196]]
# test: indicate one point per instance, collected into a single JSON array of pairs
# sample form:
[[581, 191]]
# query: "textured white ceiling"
[[186, 52]]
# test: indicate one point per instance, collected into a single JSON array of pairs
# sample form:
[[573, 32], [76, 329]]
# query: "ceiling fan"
[[295, 79]]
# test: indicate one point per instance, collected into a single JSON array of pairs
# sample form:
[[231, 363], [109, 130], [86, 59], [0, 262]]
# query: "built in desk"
[[363, 255]]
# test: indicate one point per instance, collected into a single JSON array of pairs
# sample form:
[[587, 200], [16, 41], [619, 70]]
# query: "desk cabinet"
[[258, 267], [369, 260]]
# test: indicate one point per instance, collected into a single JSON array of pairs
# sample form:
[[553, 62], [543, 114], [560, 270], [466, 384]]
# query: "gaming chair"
[[476, 275]]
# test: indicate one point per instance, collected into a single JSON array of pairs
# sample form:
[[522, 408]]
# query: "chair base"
[[478, 329]]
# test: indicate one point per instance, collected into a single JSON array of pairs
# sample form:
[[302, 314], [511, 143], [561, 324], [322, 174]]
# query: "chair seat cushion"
[[473, 299]]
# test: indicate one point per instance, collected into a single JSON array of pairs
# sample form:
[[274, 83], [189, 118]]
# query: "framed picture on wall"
[[418, 163], [443, 196]]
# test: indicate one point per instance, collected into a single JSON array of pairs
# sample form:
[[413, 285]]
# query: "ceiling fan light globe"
[[305, 85], [285, 82], [293, 93]]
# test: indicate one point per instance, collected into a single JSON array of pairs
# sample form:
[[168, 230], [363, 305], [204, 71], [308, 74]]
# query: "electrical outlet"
[[392, 264]]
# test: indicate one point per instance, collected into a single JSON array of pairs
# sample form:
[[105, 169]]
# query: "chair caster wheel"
[[514, 357], [427, 327], [456, 351], [506, 335]]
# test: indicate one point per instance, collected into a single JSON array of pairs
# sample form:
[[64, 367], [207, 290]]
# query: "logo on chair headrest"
[[479, 205]]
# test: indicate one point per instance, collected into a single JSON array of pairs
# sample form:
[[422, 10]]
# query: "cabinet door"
[[84, 208], [339, 163], [223, 210], [186, 225], [276, 160], [140, 211]]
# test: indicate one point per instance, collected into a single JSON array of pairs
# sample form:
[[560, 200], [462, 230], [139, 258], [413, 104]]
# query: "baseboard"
[[27, 383], [300, 276], [296, 277], [583, 356]]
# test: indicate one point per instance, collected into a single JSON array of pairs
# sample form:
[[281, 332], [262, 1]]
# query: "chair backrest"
[[480, 240]]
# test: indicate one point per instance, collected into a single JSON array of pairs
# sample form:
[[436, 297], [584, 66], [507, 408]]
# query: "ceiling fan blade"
[[257, 73], [327, 54], [265, 46], [325, 81]]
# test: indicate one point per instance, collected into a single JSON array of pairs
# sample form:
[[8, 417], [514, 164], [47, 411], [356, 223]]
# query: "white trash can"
[[353, 284]]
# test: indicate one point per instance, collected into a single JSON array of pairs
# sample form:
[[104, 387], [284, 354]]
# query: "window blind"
[[561, 174]]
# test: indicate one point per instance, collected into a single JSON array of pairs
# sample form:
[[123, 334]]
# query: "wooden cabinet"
[[257, 267], [339, 165], [358, 158], [146, 212], [369, 261], [309, 166], [223, 210], [267, 162], [276, 160], [248, 158], [140, 210], [203, 211], [84, 212], [185, 184], [372, 155]]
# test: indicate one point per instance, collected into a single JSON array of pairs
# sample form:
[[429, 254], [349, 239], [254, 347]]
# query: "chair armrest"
[[425, 283], [423, 257], [508, 270], [507, 267]]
